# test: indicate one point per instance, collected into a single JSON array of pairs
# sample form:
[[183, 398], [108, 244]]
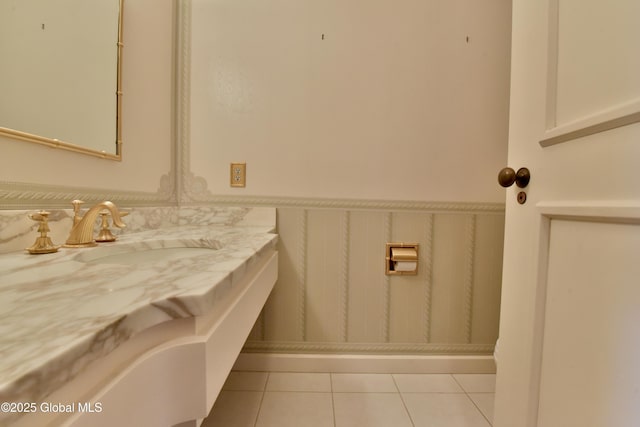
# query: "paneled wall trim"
[[332, 295], [18, 195]]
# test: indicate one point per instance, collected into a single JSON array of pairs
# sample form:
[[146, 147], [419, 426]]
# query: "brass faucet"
[[82, 232]]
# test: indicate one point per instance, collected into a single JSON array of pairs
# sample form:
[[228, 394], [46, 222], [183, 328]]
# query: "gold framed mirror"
[[61, 74]]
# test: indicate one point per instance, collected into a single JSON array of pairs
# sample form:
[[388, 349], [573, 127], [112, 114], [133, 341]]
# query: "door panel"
[[592, 67], [568, 345], [589, 376], [593, 54]]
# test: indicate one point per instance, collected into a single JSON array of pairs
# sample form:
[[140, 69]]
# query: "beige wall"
[[392, 127], [401, 100]]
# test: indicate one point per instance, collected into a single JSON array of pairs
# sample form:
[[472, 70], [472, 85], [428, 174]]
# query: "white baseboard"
[[383, 364]]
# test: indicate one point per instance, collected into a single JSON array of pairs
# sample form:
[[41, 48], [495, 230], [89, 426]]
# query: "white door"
[[569, 348]]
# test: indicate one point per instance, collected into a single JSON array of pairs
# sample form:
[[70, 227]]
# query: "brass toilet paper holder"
[[401, 259]]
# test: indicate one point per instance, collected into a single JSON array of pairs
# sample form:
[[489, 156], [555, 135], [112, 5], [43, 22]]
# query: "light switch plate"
[[238, 174]]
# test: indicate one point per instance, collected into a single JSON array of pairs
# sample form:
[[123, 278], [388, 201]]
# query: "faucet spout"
[[82, 232]]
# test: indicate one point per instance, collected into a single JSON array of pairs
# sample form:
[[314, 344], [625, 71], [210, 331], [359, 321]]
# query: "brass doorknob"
[[508, 176]]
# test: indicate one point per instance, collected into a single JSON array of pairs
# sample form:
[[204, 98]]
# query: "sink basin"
[[147, 252], [150, 256]]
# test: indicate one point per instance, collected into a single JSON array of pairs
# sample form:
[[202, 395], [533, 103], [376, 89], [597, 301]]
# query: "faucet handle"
[[76, 211], [105, 234], [43, 244], [76, 204]]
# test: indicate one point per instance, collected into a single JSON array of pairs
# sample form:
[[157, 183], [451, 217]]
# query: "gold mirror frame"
[[55, 143]]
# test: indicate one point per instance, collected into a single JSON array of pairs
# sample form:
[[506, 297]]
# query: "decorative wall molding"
[[468, 276], [428, 277], [183, 95], [386, 305], [359, 204], [20, 195], [301, 270], [363, 348], [167, 188], [191, 188], [344, 274], [367, 363]]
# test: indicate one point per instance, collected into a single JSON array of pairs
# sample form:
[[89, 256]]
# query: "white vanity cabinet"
[[138, 332], [169, 374]]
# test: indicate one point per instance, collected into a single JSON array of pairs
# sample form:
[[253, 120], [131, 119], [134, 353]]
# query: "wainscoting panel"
[[332, 295], [410, 304], [487, 273], [284, 311], [450, 264], [324, 317], [367, 283]]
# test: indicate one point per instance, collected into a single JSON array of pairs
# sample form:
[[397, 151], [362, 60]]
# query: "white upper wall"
[[402, 100]]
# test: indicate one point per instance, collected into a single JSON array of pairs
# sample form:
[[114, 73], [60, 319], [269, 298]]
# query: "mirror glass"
[[60, 73]]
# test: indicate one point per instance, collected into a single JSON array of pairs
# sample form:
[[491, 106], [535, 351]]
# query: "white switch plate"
[[238, 174]]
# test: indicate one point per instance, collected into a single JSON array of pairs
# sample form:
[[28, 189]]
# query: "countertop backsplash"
[[18, 232]]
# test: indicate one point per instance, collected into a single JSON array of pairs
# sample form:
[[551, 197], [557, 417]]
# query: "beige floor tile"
[[294, 381], [485, 402], [477, 383], [426, 383], [443, 410], [363, 383], [370, 410], [234, 409], [295, 409], [362, 400], [246, 381]]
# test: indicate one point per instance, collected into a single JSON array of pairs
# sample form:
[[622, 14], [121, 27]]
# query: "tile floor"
[[266, 399]]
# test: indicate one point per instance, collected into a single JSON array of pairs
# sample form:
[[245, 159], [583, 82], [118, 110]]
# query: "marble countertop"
[[59, 312]]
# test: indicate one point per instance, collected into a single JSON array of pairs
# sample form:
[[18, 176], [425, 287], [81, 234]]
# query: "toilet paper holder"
[[401, 259]]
